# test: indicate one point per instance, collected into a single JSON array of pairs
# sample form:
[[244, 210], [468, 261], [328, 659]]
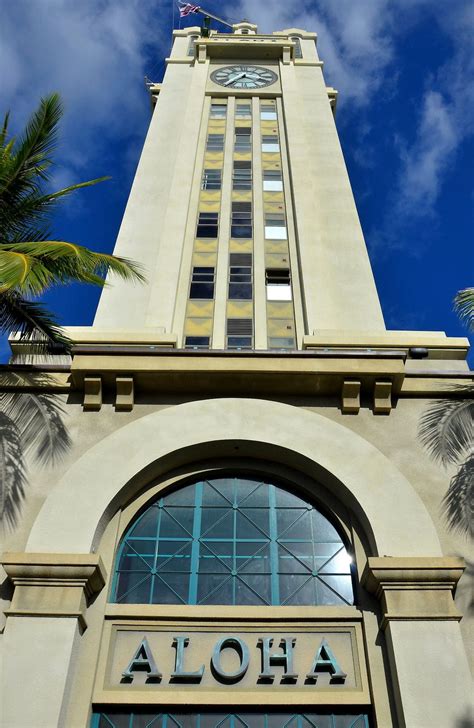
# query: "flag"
[[187, 9]]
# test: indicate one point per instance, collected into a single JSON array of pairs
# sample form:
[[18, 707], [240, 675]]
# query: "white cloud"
[[424, 163], [354, 38], [93, 52]]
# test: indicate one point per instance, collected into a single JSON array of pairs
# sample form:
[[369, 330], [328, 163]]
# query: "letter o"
[[243, 652]]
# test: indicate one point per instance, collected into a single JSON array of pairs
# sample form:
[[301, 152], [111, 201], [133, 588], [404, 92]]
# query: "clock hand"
[[234, 78]]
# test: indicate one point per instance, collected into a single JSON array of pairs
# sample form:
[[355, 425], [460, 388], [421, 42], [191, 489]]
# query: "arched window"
[[232, 540]]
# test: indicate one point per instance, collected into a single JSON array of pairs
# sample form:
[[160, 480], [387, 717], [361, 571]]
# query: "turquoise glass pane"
[[232, 540], [153, 719]]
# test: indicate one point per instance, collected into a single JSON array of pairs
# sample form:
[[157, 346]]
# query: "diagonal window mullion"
[[293, 594], [294, 522], [129, 545], [216, 588], [216, 523], [249, 494], [244, 515], [329, 559], [158, 576], [217, 556], [334, 591], [176, 520], [239, 577], [147, 576], [293, 556], [250, 558]]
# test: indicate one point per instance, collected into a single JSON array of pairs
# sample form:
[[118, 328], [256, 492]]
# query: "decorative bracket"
[[350, 403], [382, 398], [125, 394], [92, 393], [53, 585], [414, 588]]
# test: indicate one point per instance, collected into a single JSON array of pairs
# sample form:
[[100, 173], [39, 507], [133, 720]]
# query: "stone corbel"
[[201, 52], [286, 55], [92, 393], [53, 585], [125, 394], [350, 398], [414, 588], [382, 398]]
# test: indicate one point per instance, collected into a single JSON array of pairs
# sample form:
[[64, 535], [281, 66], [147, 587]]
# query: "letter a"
[[325, 661], [142, 661]]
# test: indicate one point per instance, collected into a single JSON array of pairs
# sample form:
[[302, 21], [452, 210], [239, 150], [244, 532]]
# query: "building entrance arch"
[[119, 465]]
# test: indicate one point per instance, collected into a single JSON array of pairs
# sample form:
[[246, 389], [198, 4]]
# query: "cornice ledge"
[[414, 588], [56, 570], [408, 572]]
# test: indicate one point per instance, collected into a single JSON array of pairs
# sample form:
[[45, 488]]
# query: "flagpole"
[[215, 17], [209, 15]]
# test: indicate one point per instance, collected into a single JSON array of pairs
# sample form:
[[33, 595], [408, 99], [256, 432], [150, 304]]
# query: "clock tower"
[[241, 211], [245, 529]]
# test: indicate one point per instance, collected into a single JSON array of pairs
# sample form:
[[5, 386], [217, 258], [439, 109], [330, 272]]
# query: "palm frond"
[[32, 321], [458, 503], [447, 427], [39, 419], [31, 155], [4, 132], [12, 472], [464, 306], [68, 261]]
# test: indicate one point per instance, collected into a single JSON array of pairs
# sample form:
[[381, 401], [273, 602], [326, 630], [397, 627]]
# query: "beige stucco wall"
[[376, 467]]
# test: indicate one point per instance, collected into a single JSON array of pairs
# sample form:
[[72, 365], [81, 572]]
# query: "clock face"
[[243, 77]]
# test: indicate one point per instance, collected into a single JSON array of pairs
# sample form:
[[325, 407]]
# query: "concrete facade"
[[334, 418]]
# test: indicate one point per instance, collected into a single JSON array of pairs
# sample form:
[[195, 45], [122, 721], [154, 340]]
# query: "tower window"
[[243, 111], [202, 283], [275, 226], [270, 143], [243, 138], [241, 222], [233, 540], [242, 176], [215, 143], [239, 333], [272, 180], [218, 111], [298, 53], [192, 43], [211, 179], [207, 225], [268, 112], [196, 342], [278, 284], [240, 277]]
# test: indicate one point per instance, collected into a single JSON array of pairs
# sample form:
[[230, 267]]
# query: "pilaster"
[[431, 676], [43, 633], [53, 585]]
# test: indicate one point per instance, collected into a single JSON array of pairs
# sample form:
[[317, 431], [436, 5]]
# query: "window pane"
[[215, 142], [231, 540], [218, 111], [154, 718]]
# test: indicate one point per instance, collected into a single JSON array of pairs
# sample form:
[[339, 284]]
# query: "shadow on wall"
[[466, 721], [447, 431], [30, 422]]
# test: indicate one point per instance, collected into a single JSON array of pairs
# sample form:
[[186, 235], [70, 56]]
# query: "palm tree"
[[32, 420], [464, 306], [30, 262], [447, 431]]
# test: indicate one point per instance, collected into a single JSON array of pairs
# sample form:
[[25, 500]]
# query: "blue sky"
[[404, 70]]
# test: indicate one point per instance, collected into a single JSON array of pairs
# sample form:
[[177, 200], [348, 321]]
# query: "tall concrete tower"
[[241, 210], [245, 531]]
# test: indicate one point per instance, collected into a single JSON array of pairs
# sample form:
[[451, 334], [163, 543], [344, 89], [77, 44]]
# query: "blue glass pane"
[[232, 541], [211, 719]]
